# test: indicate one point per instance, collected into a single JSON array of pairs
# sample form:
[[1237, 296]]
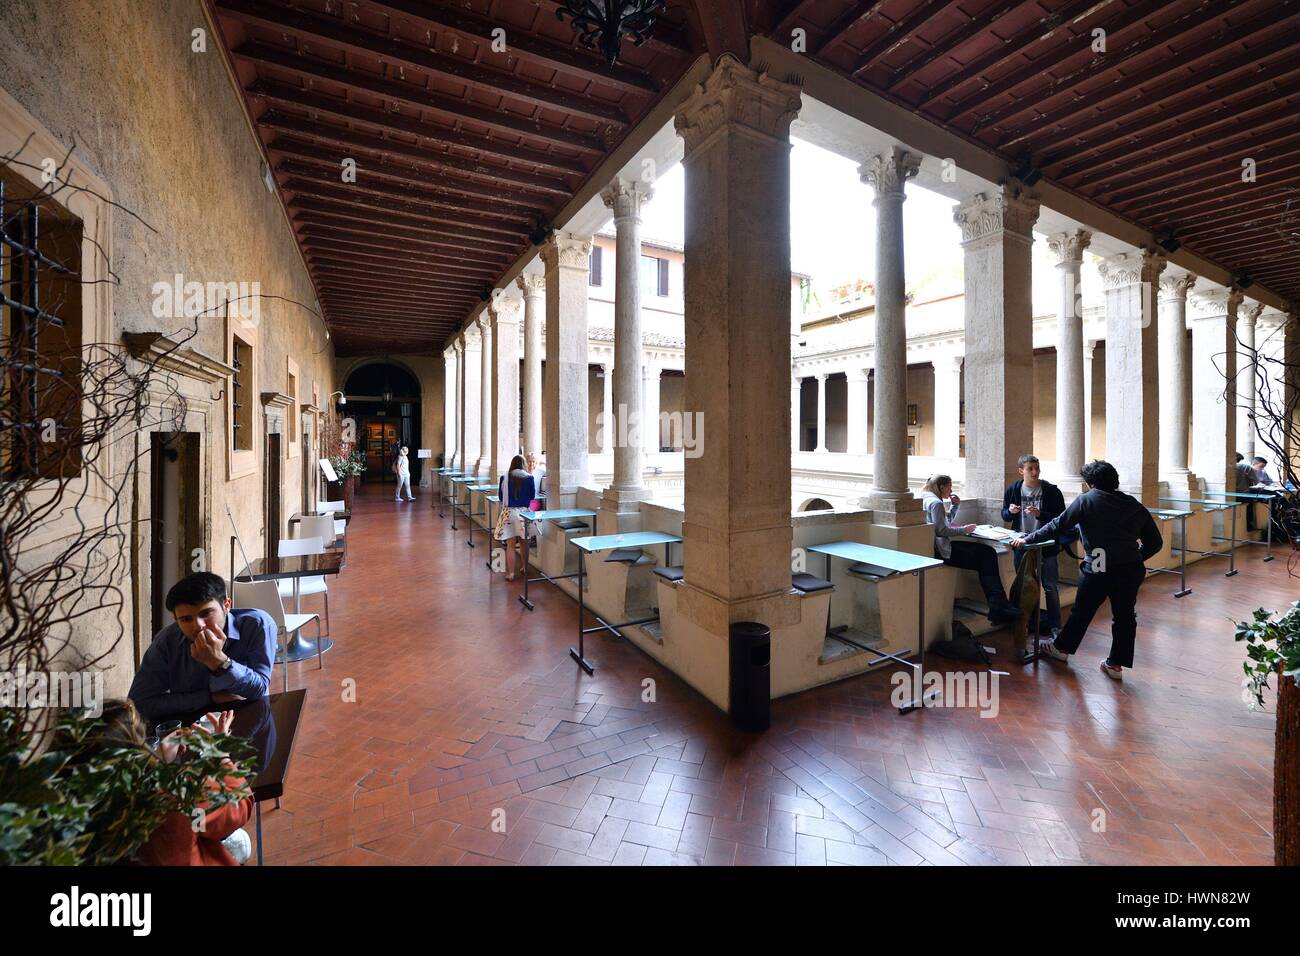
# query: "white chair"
[[265, 596], [290, 547], [340, 526], [317, 526]]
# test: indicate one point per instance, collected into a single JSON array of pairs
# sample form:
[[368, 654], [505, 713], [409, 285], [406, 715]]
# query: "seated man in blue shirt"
[[210, 655]]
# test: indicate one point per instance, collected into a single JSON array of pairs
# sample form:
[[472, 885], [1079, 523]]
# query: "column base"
[[1182, 484], [894, 509], [620, 509]]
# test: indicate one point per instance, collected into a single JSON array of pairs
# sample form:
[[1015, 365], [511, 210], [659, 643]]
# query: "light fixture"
[[1026, 171], [1167, 241], [1242, 280], [602, 24], [343, 399]]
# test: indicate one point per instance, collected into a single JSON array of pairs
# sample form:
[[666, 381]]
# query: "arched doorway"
[[384, 400], [817, 504]]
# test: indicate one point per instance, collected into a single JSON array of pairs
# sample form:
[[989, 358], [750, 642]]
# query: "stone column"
[[472, 398], [1175, 374], [737, 532], [625, 197], [856, 419], [650, 375], [450, 395], [1270, 340], [947, 406], [997, 240], [890, 498], [1068, 248], [565, 258], [821, 412], [458, 347], [1132, 375], [796, 411], [534, 290], [1089, 349], [608, 427], [1214, 396], [505, 313], [484, 461], [1247, 382]]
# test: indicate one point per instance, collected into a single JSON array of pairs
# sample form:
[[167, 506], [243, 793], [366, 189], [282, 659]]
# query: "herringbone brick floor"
[[469, 717]]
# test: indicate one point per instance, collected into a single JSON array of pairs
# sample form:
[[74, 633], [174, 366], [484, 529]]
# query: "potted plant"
[[349, 468], [1273, 647]]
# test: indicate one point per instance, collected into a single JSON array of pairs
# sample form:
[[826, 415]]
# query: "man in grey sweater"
[[1118, 535]]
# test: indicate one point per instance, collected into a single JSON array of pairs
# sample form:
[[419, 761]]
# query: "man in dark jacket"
[[1111, 524], [1027, 505]]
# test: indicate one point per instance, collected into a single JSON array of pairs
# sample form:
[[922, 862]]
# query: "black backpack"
[[962, 647]]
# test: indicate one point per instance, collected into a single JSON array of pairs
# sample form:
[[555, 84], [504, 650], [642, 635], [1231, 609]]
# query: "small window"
[[40, 333], [593, 265], [663, 277], [654, 274], [912, 415], [961, 445], [911, 444], [961, 412], [241, 396]]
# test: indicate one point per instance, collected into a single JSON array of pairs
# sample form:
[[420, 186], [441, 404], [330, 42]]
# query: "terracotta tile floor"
[[468, 708]]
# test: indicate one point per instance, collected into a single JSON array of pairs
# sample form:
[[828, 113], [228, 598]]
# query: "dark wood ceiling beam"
[[310, 178], [359, 287], [963, 34], [1187, 57], [389, 214], [400, 320], [845, 23], [415, 308], [533, 49], [337, 280], [1015, 46], [1241, 250], [327, 158], [352, 140], [296, 97], [1211, 204], [496, 260], [354, 39], [448, 106], [1273, 157], [1133, 115], [362, 251], [1243, 220], [898, 33], [341, 263], [424, 237], [781, 32], [1143, 136]]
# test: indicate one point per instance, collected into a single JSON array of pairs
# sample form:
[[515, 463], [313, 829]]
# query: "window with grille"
[[40, 327], [241, 396]]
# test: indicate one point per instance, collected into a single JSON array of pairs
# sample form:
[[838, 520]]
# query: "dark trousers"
[[1120, 584], [983, 560]]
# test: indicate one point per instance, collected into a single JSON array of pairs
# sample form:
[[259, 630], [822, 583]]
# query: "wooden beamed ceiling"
[[461, 151], [1157, 126]]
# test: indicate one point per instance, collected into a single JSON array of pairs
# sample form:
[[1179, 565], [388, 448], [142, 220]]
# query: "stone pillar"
[[534, 290], [625, 197], [947, 406], [450, 404], [1175, 374], [1068, 248], [1214, 395], [856, 422], [821, 412], [505, 314], [458, 347], [796, 411], [484, 461], [890, 497], [1247, 381], [1089, 349], [608, 427], [650, 375], [565, 407], [737, 531], [471, 396], [1270, 340], [1132, 375], [997, 240]]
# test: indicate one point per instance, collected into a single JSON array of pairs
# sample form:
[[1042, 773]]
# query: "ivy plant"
[[1272, 644]]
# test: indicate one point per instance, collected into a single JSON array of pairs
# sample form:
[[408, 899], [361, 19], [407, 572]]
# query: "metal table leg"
[[1232, 552], [257, 809], [580, 654], [1268, 518], [523, 598]]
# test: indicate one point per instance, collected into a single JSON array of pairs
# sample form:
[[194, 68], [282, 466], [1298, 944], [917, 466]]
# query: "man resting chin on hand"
[[209, 655]]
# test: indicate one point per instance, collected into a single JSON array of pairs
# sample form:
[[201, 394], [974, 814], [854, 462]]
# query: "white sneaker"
[[1050, 649], [1113, 671], [397, 497]]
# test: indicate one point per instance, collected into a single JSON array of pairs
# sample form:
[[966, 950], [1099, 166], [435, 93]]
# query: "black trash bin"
[[751, 675]]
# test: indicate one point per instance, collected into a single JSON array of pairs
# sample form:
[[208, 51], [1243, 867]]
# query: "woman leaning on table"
[[940, 509]]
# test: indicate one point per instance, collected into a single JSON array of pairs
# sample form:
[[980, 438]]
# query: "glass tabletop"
[[557, 514], [897, 561], [294, 566], [632, 539]]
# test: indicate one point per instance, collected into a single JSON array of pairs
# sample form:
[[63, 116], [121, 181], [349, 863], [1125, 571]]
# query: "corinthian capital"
[[1176, 287], [625, 197], [1130, 268], [983, 215], [531, 284], [733, 94], [1067, 247], [1215, 302], [565, 250], [887, 173]]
